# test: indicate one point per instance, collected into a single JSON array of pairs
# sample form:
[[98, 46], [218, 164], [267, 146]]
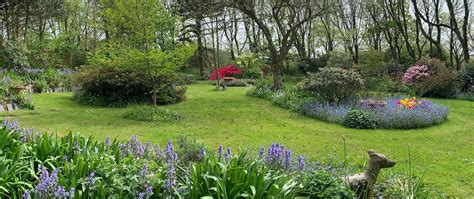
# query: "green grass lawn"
[[445, 153]]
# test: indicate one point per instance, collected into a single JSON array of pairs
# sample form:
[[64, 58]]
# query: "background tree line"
[[63, 33]]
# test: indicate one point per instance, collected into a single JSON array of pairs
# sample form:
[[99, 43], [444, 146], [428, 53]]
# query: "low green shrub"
[[313, 64], [360, 119], [24, 101], [52, 77], [116, 87], [429, 77], [262, 89], [444, 84], [189, 150], [252, 65], [401, 186], [152, 114], [323, 185], [41, 85], [466, 96], [292, 98], [252, 73], [10, 93]]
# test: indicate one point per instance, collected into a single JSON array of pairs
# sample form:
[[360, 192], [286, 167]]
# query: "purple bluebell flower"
[[262, 151], [136, 147], [170, 155], [301, 162], [76, 147], [219, 151], [149, 191], [60, 192], [123, 150], [287, 160], [156, 152], [274, 154], [65, 158], [144, 171], [171, 158], [11, 125], [26, 195], [48, 186], [228, 154], [202, 153], [170, 176], [141, 195], [107, 141], [26, 134], [90, 179], [71, 192]]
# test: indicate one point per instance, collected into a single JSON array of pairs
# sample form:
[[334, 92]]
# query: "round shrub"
[[313, 64], [416, 74], [433, 64], [263, 89], [466, 76], [113, 86], [444, 84], [429, 77], [360, 119], [292, 98], [152, 114], [333, 84], [251, 65]]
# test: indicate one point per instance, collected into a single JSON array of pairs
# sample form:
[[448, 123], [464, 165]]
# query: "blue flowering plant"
[[386, 113], [48, 166]]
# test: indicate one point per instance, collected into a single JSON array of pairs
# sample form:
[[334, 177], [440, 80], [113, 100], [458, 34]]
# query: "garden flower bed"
[[388, 113], [48, 166], [397, 113]]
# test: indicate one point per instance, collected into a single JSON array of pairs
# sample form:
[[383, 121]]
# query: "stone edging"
[[9, 107]]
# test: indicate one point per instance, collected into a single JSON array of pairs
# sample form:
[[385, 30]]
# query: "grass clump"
[[152, 114]]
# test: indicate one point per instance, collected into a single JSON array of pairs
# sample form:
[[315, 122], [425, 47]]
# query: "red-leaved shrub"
[[226, 71]]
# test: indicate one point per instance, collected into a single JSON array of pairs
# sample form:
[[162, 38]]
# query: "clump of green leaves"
[[263, 89], [360, 119], [152, 114]]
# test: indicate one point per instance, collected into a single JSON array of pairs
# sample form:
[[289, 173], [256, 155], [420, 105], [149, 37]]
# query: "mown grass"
[[443, 153]]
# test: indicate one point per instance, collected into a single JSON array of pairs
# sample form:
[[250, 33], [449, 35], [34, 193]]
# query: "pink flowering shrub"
[[416, 73]]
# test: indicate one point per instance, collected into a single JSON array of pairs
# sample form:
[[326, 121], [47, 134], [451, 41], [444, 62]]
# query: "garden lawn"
[[443, 153]]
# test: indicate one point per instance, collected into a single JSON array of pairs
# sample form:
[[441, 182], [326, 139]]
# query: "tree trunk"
[[277, 70], [154, 96], [200, 50]]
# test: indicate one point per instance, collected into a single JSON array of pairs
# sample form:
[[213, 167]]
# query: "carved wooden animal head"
[[380, 159]]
